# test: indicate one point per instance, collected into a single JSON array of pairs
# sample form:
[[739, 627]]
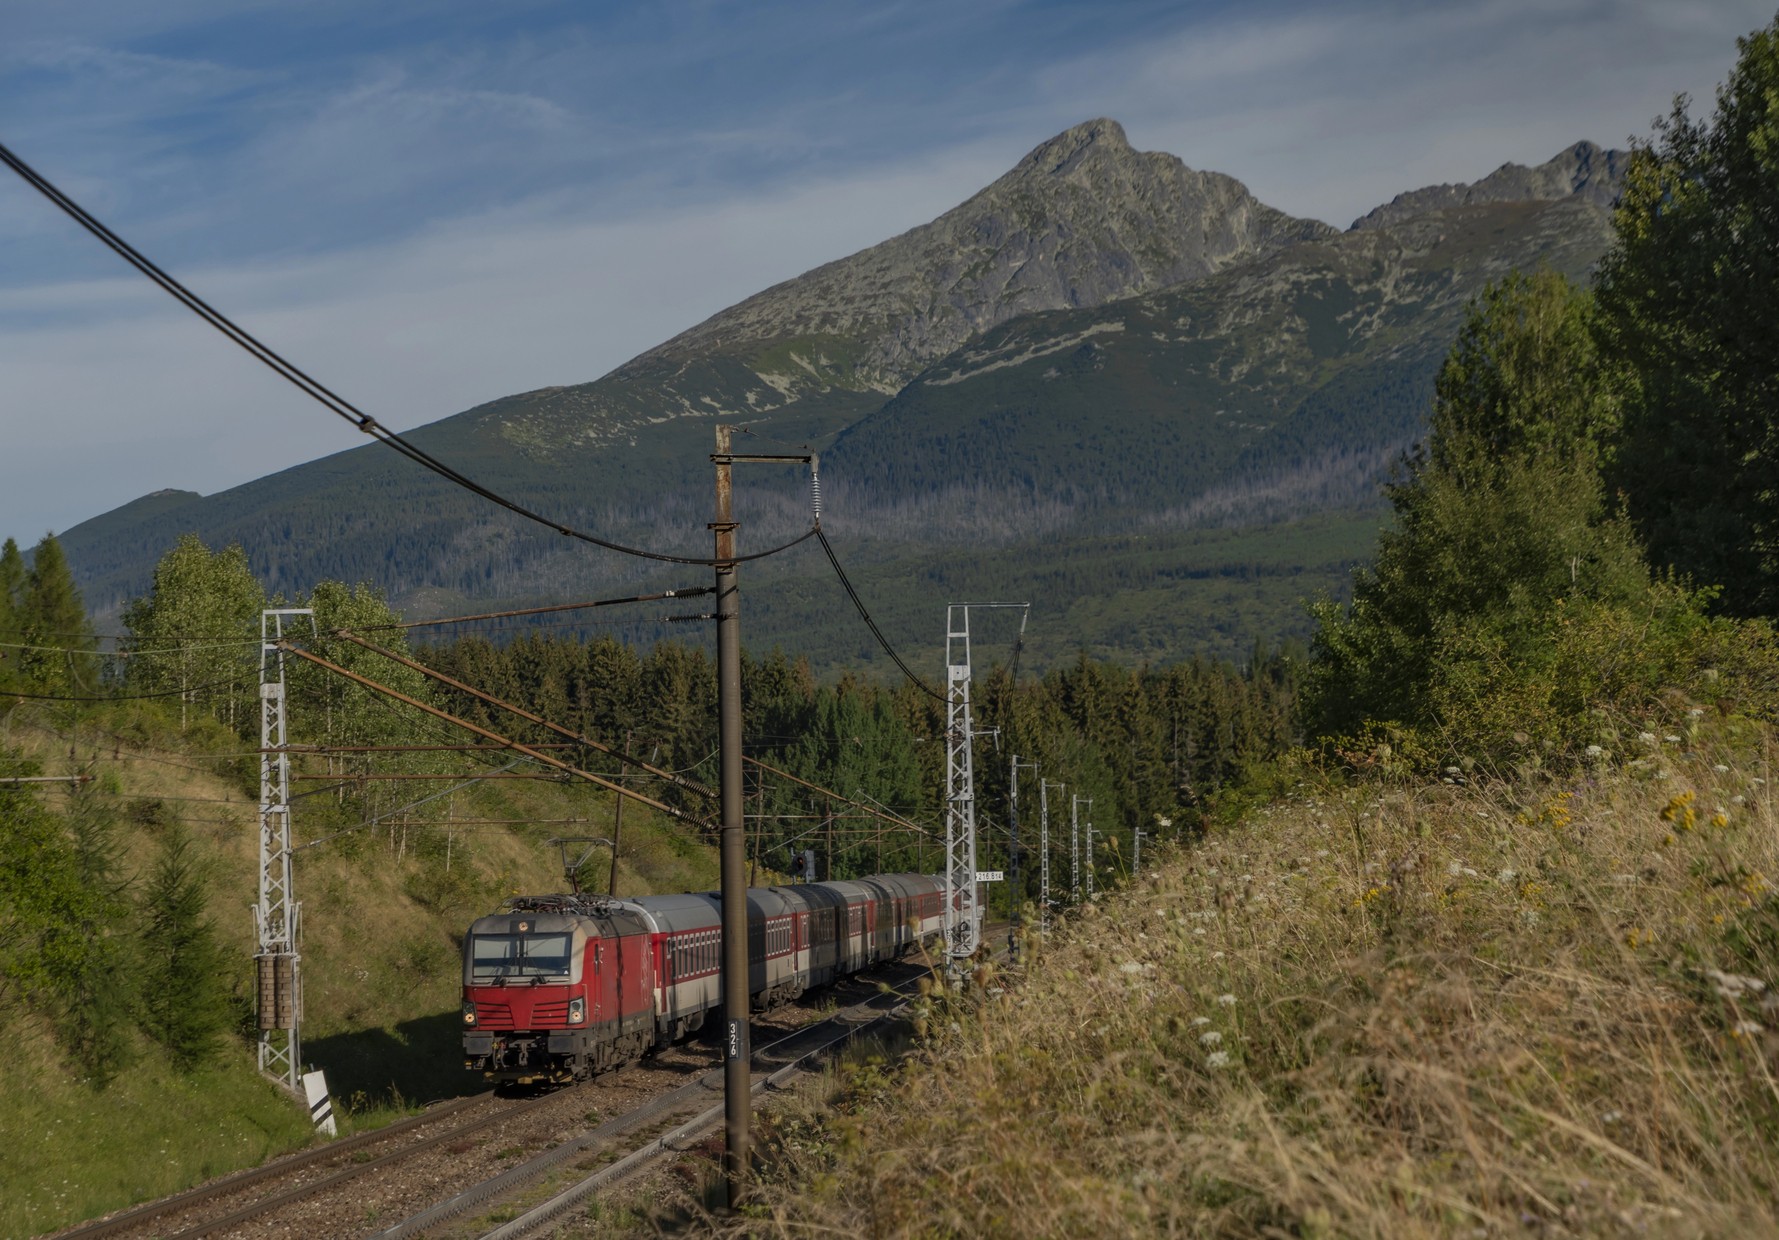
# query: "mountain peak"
[[1081, 220], [1585, 170], [1059, 154]]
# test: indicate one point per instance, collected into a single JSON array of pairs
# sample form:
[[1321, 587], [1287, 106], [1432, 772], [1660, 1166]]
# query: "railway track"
[[856, 1020], [348, 1186], [308, 1172]]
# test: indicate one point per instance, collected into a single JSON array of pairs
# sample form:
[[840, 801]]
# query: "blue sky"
[[430, 205]]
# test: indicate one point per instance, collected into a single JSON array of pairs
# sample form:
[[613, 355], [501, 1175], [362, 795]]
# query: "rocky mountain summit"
[[1584, 171], [1082, 220]]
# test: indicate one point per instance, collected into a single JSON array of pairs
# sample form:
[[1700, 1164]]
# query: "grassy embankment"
[[1518, 1008], [383, 911]]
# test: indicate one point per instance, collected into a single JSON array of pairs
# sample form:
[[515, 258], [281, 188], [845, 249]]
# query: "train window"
[[519, 955]]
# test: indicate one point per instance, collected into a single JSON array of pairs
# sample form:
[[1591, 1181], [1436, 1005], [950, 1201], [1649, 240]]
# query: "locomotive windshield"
[[519, 955]]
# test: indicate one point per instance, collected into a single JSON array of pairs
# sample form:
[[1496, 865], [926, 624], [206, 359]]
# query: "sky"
[[432, 205]]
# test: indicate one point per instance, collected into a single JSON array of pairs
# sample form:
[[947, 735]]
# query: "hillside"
[[381, 1010], [1376, 1010], [1102, 342]]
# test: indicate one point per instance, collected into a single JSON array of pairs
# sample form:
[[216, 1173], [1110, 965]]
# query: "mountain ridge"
[[1270, 384]]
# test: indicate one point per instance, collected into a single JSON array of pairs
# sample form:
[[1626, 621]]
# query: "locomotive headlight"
[[577, 1011], [469, 1013]]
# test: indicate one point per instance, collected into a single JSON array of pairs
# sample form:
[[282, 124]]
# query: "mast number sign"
[[989, 876]]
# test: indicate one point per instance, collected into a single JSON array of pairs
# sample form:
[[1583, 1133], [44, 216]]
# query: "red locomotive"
[[559, 987]]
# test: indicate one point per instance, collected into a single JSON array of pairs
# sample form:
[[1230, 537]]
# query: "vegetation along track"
[[225, 1205], [345, 1187]]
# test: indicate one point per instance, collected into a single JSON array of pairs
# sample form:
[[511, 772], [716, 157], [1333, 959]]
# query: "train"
[[557, 988]]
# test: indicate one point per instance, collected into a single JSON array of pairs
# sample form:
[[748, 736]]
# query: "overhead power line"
[[321, 394], [871, 624], [113, 697]]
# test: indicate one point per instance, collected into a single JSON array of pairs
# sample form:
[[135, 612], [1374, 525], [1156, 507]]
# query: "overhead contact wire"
[[871, 624], [322, 395]]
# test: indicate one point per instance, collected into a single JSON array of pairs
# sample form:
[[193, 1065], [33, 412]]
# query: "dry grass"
[[1446, 1011]]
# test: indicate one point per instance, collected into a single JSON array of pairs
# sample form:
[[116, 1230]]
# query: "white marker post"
[[321, 1107]]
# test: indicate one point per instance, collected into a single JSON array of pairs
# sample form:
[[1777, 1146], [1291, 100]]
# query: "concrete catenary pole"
[[733, 856], [737, 1049]]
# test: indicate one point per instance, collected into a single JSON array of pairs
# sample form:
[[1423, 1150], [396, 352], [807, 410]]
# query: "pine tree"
[[1688, 296], [185, 1003], [97, 982], [52, 617], [12, 593]]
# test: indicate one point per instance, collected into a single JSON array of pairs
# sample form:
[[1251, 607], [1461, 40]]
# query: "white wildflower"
[[1210, 1037], [1671, 739], [1216, 955], [1612, 1117], [1201, 1021], [1648, 738], [1217, 1059], [1594, 753], [1744, 1028], [1696, 711], [1732, 985], [1226, 1000], [1721, 769], [1507, 876]]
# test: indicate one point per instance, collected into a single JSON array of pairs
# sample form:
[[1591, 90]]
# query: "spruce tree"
[[52, 618], [97, 981], [12, 593], [1689, 299], [185, 1003]]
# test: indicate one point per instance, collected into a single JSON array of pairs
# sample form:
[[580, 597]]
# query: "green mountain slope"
[[1079, 386]]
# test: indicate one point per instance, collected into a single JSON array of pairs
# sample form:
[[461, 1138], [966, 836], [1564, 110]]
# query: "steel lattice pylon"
[[963, 912], [963, 904], [275, 916]]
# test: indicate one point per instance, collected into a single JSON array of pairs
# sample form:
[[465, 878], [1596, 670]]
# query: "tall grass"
[[69, 1151], [1379, 1011]]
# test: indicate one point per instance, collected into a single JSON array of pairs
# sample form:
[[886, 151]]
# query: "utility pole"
[[737, 1049], [276, 959], [1015, 888], [1136, 853]]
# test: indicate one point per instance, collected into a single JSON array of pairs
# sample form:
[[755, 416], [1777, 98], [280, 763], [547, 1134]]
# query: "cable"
[[538, 611], [116, 697], [883, 641], [322, 395]]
